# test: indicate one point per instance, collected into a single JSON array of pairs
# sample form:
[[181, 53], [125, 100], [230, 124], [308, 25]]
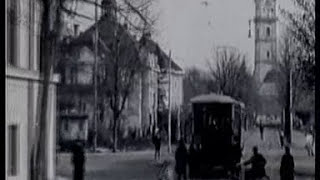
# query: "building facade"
[[76, 90], [266, 56], [23, 82], [159, 73]]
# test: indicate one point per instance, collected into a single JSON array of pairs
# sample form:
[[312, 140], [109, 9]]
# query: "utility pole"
[[178, 124], [169, 112], [95, 73], [288, 113]]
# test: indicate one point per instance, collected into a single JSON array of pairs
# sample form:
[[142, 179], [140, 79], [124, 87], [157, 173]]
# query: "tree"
[[123, 64], [301, 25], [196, 82], [230, 73], [50, 36]]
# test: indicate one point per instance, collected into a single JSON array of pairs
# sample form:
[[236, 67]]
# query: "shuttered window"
[[13, 150]]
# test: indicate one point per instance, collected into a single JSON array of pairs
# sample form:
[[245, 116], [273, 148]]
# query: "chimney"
[[76, 29]]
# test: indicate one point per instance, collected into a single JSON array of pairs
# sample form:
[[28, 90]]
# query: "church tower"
[[266, 55]]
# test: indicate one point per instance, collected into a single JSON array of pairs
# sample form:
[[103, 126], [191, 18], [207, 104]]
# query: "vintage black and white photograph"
[[161, 90]]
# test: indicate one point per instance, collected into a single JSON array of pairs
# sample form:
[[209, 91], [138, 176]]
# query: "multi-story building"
[[150, 83], [76, 90], [161, 79], [23, 82]]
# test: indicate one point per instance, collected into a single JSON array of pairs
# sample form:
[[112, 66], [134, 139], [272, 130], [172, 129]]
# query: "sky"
[[192, 28]]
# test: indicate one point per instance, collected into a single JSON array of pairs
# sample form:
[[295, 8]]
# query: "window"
[[12, 19], [73, 76], [84, 107], [268, 54], [66, 125], [13, 150], [268, 31], [81, 125]]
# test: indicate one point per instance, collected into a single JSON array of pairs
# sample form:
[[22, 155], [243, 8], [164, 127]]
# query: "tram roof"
[[215, 98]]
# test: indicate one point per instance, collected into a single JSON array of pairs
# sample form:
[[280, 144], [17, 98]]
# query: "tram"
[[217, 132]]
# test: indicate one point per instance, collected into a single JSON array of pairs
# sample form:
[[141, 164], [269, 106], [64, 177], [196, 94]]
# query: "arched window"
[[268, 31]]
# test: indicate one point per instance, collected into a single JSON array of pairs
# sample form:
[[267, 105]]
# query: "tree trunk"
[[288, 117], [178, 125], [40, 170], [317, 99], [115, 132]]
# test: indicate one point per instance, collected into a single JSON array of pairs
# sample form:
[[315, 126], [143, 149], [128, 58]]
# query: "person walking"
[[309, 144], [181, 156], [78, 161], [287, 165], [281, 135], [261, 128], [157, 144]]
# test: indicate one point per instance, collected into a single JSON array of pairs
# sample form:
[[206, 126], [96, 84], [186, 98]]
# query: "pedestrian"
[[309, 144], [258, 163], [78, 160], [192, 160], [287, 165], [181, 160], [157, 144], [281, 135], [261, 130]]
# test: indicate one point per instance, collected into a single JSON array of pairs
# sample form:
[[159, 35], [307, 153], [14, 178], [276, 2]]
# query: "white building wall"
[[22, 84], [16, 114]]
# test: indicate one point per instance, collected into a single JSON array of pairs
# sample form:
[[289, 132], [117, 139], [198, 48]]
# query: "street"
[[119, 166], [140, 165], [270, 149]]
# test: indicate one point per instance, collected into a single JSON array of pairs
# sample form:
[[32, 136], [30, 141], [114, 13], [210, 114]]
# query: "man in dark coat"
[[78, 160], [287, 165], [157, 144], [192, 160], [258, 163], [181, 160], [261, 128]]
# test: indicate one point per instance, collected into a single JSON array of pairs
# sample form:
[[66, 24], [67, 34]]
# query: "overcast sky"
[[191, 28]]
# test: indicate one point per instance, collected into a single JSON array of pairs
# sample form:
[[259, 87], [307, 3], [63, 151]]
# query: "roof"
[[163, 58], [215, 98], [106, 27]]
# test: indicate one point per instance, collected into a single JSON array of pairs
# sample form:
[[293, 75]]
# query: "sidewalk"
[[271, 149], [138, 165]]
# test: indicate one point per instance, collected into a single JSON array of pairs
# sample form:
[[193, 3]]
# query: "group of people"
[[257, 162]]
